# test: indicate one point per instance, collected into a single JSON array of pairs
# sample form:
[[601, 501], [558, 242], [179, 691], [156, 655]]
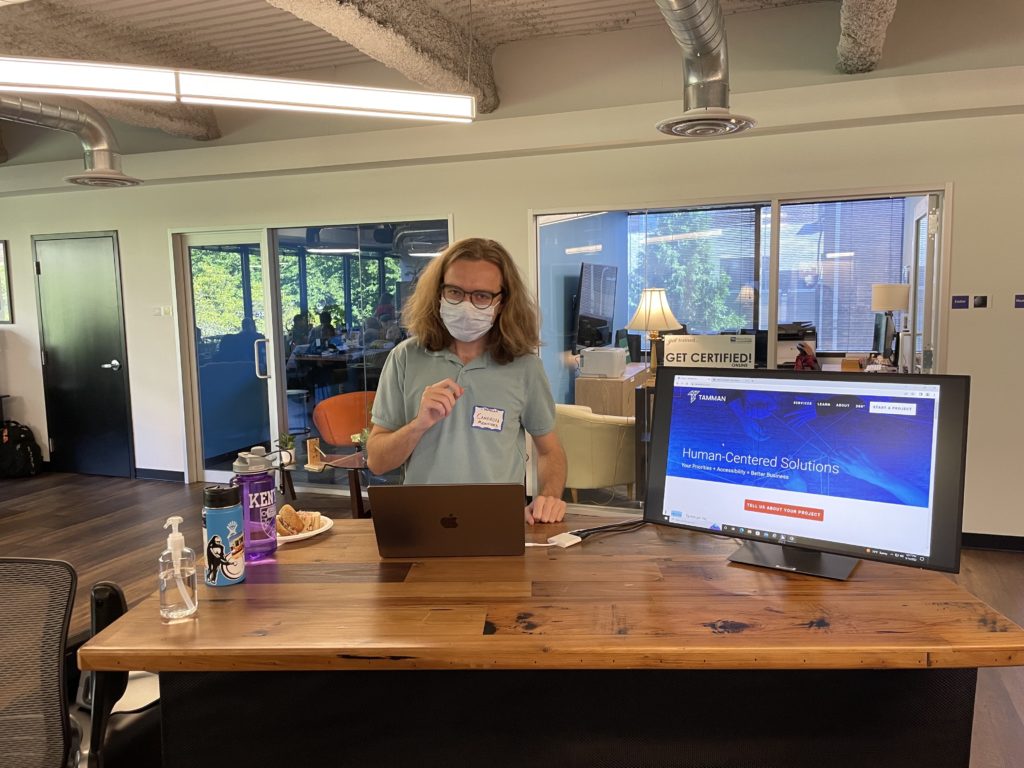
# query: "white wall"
[[854, 134]]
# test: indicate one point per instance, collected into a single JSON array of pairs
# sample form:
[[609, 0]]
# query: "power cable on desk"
[[621, 527], [575, 537]]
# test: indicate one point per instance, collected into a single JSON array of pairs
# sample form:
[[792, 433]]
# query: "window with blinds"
[[703, 258], [829, 255]]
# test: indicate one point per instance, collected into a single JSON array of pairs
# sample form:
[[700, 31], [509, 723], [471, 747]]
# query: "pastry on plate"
[[291, 521]]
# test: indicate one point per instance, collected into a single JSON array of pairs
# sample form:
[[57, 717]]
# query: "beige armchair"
[[600, 450]]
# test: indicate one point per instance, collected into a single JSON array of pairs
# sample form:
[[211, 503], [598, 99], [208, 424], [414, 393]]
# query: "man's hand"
[[545, 509], [437, 403]]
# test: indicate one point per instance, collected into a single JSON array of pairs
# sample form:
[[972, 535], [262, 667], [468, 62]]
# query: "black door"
[[85, 370]]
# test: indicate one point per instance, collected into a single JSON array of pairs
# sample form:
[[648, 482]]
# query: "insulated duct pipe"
[[699, 28], [102, 155]]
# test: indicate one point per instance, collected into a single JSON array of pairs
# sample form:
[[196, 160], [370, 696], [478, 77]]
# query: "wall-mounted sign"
[[709, 351], [1018, 301], [961, 302]]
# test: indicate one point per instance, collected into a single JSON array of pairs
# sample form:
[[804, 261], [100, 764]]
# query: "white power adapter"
[[564, 540]]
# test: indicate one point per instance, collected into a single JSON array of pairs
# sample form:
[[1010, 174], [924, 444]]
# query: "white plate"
[[326, 523]]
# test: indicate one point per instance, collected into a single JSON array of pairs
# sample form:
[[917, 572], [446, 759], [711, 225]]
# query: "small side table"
[[287, 486], [354, 463]]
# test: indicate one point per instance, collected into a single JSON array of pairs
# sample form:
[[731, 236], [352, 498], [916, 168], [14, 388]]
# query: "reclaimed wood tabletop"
[[657, 597]]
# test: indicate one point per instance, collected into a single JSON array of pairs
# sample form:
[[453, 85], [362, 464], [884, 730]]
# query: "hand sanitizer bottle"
[[178, 598]]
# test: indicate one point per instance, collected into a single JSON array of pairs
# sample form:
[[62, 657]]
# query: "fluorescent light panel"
[[596, 248], [81, 78], [332, 250], [216, 89], [305, 95], [685, 236]]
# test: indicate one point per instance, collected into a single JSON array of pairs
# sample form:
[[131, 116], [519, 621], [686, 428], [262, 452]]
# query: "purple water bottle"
[[259, 504]]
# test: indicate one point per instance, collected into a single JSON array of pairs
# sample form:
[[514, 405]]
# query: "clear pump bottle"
[[178, 598]]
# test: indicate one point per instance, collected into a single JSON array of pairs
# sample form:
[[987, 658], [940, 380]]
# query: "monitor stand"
[[786, 558]]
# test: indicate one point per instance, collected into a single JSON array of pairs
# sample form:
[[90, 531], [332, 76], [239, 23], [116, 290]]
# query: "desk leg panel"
[[584, 718]]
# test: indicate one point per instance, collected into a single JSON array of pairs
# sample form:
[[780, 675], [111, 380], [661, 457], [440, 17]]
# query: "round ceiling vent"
[[705, 123], [100, 178]]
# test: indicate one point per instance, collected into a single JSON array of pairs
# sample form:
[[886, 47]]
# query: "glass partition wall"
[[714, 263], [285, 320], [342, 289]]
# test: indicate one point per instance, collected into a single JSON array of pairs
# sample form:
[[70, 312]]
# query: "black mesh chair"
[[36, 596]]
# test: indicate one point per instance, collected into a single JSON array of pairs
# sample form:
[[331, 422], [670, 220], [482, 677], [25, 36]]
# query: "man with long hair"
[[455, 400]]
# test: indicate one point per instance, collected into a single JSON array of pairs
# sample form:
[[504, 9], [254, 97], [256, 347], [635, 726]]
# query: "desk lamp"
[[654, 316], [887, 298]]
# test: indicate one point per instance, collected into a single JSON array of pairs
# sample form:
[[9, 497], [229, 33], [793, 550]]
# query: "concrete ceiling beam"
[[862, 27], [411, 38]]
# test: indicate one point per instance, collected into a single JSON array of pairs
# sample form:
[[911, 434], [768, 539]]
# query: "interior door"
[[926, 230], [232, 350], [85, 366]]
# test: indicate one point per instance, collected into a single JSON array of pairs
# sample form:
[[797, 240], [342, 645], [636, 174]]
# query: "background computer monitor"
[[813, 472], [594, 306], [884, 336], [630, 341]]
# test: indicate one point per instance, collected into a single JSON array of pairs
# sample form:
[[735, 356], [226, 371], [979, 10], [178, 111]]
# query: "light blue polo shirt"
[[483, 439]]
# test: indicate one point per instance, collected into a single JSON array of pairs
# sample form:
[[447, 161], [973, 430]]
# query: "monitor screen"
[[882, 338], [594, 305], [813, 470]]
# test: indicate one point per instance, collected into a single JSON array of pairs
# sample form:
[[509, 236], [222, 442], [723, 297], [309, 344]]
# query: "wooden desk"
[[629, 647], [612, 397]]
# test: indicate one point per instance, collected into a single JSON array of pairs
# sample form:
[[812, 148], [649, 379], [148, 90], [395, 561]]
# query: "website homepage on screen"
[[804, 462]]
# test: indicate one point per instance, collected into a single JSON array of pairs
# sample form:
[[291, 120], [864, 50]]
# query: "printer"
[[605, 362]]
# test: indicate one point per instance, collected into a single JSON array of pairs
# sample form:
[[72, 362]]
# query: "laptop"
[[449, 520]]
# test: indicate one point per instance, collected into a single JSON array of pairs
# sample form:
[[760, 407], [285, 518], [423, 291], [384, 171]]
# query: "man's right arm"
[[387, 449]]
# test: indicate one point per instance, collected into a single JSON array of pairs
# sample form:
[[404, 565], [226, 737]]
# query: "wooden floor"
[[111, 529]]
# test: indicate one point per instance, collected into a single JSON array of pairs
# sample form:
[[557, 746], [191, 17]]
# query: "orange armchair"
[[338, 418]]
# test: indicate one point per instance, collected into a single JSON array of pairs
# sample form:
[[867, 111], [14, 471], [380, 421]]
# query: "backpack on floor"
[[20, 455]]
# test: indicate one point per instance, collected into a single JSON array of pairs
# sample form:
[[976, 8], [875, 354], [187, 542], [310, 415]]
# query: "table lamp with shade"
[[654, 316], [888, 298]]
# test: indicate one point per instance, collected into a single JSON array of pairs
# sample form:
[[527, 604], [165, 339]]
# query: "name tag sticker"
[[492, 419]]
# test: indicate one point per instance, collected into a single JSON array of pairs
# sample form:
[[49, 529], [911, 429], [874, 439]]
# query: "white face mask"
[[465, 322]]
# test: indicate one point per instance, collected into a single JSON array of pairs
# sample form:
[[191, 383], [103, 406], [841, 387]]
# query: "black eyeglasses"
[[480, 299]]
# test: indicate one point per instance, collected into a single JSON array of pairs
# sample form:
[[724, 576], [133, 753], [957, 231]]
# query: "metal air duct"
[[699, 29], [102, 156]]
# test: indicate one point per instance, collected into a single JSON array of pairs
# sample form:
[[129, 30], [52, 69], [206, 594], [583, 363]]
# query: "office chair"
[[121, 739], [37, 595]]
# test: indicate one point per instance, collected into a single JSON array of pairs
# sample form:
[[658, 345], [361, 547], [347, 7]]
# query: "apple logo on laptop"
[[450, 522]]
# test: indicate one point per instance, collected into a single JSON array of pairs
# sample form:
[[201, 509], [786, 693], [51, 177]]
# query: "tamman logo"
[[696, 394]]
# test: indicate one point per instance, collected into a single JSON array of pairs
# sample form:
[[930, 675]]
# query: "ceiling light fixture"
[[86, 79], [227, 90], [685, 236], [332, 250], [596, 248]]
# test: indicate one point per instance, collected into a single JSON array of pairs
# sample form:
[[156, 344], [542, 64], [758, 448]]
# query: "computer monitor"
[[884, 336], [594, 306], [630, 341], [813, 472]]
